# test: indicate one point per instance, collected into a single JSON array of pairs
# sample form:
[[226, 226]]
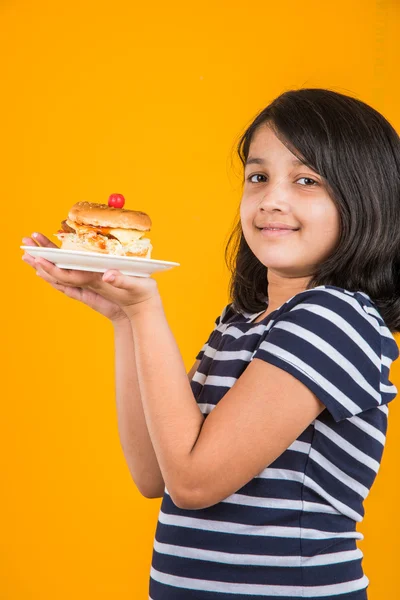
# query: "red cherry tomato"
[[116, 200]]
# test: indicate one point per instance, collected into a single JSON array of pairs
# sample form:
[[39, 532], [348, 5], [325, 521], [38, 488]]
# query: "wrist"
[[150, 307], [120, 322]]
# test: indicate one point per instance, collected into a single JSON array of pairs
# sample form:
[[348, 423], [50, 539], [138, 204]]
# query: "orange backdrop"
[[145, 99]]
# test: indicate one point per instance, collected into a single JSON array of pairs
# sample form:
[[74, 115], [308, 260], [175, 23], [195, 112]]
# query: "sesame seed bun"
[[102, 215]]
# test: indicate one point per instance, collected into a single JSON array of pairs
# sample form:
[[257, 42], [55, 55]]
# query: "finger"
[[117, 280], [109, 276], [63, 276], [42, 240], [29, 260], [43, 263], [43, 275], [74, 293], [60, 288], [71, 292], [28, 241]]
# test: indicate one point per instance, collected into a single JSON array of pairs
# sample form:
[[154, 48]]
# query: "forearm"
[[134, 436], [173, 417]]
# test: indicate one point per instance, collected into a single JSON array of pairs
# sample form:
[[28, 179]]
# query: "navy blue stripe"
[[194, 568], [235, 513], [272, 488], [248, 544], [262, 575], [291, 459], [226, 542]]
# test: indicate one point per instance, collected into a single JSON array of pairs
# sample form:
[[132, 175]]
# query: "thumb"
[[117, 280]]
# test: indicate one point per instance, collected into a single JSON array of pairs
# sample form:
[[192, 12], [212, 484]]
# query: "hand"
[[73, 284], [132, 294]]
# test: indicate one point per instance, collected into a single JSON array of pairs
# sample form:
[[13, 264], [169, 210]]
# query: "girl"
[[265, 454]]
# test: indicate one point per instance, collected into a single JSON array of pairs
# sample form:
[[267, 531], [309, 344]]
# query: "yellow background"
[[148, 100]]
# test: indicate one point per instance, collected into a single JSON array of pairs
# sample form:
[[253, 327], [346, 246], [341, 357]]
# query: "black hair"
[[357, 152]]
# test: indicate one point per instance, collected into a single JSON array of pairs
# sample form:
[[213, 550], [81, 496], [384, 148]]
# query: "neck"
[[281, 289]]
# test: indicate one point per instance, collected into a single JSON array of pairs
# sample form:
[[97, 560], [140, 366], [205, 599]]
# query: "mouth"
[[276, 232]]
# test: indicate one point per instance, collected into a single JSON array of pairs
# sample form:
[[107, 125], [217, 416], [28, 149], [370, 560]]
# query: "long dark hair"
[[356, 150]]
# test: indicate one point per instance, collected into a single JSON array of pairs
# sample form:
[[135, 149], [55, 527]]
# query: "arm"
[[205, 461], [135, 441]]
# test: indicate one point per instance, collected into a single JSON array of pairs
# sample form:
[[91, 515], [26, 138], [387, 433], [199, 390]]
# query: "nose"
[[276, 195]]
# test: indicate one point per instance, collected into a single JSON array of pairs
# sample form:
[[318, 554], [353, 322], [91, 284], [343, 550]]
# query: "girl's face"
[[278, 188]]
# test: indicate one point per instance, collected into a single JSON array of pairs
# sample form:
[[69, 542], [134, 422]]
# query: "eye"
[[256, 175], [308, 179]]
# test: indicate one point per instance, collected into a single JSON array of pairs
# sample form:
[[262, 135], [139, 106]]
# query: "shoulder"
[[331, 296], [336, 341], [341, 308]]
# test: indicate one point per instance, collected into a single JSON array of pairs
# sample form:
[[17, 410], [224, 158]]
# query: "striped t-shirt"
[[290, 532]]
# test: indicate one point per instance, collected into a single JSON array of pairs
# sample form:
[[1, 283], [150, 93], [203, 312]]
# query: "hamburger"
[[93, 227]]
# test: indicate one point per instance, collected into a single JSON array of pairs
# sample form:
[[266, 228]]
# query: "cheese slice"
[[127, 236]]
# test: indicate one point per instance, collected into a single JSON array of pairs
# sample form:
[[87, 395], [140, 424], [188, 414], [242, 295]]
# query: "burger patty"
[[99, 230], [66, 228]]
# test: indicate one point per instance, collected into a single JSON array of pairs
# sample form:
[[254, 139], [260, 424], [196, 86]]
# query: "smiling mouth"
[[277, 229], [275, 233]]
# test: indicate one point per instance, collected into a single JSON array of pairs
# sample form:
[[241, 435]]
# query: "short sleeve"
[[328, 341], [220, 320]]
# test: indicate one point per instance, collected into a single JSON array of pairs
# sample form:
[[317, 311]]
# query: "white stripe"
[[333, 470], [222, 327], [371, 311], [209, 351], [321, 508], [199, 377], [287, 474], [344, 326], [384, 408], [279, 504], [333, 355], [231, 528], [376, 321], [220, 381], [206, 408], [312, 374], [369, 429], [364, 311], [217, 327], [257, 559], [388, 389], [229, 355], [298, 446], [386, 361], [258, 589], [344, 509], [344, 445], [334, 558], [270, 473], [202, 349], [257, 330], [216, 380]]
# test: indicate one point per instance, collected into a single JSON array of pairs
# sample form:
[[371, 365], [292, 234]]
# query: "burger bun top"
[[102, 215]]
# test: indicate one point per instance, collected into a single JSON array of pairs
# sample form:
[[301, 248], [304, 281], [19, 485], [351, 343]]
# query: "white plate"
[[99, 263]]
